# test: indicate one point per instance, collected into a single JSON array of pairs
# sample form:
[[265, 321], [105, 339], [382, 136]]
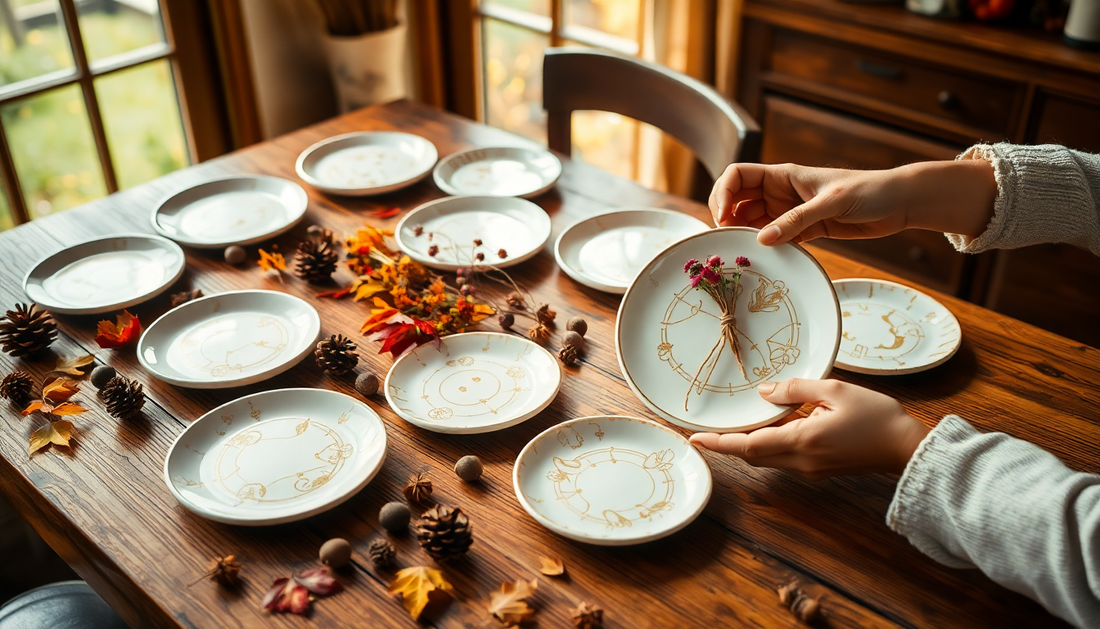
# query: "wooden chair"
[[718, 131]]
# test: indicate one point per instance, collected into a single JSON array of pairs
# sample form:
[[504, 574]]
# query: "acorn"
[[336, 553], [101, 375], [234, 254], [367, 384], [394, 517], [469, 468], [578, 325], [572, 339]]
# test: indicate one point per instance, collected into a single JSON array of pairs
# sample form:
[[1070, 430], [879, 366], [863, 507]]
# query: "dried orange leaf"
[[59, 389], [125, 330], [58, 433], [273, 261], [508, 603], [552, 567], [36, 405], [417, 586], [72, 365], [68, 408]]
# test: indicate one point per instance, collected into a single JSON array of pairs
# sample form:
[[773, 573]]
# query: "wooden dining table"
[[103, 506]]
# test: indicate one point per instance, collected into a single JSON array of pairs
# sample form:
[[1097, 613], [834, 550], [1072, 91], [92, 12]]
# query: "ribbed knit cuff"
[[915, 511]]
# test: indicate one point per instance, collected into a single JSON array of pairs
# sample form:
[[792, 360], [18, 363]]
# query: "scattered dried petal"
[[319, 582], [286, 595], [419, 585], [125, 330], [552, 566], [273, 261], [508, 604], [73, 365]]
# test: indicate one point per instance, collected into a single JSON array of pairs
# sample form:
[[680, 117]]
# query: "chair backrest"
[[717, 131]]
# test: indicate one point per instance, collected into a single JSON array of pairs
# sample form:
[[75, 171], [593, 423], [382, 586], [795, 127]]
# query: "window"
[[88, 101]]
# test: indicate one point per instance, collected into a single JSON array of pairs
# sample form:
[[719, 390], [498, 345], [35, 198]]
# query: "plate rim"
[[579, 277], [121, 305], [446, 186], [477, 430], [840, 364], [299, 165], [782, 411], [554, 528], [283, 519], [303, 197], [237, 382], [448, 266]]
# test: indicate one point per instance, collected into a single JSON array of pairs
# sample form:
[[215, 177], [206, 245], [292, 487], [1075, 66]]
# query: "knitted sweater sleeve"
[[1045, 194], [1008, 507]]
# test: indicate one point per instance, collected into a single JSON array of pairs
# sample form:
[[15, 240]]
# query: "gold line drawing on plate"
[[253, 412], [235, 342], [769, 301], [887, 334], [644, 485], [228, 419], [244, 464], [186, 482], [471, 387], [568, 436]]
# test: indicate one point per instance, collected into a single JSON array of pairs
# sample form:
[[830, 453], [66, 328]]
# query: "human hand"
[[852, 431], [788, 202]]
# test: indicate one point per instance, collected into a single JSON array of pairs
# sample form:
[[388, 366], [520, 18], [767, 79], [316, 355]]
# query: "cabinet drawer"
[[978, 102], [809, 135], [1068, 122]]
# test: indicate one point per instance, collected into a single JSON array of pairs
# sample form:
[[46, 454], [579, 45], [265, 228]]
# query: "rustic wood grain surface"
[[103, 506]]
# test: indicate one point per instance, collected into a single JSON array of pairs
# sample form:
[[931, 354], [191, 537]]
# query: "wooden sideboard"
[[874, 86]]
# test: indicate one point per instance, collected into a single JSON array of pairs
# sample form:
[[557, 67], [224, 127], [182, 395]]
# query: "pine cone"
[[585, 617], [123, 397], [17, 386], [419, 488], [336, 355], [26, 330], [444, 533], [315, 260], [568, 355], [381, 553]]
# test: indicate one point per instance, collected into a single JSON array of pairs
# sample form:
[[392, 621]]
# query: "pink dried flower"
[[710, 276], [689, 264], [714, 261], [743, 262], [433, 250], [695, 279]]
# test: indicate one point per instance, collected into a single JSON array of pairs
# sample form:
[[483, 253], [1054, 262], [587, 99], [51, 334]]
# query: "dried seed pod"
[[336, 553], [545, 314], [394, 517], [101, 375], [469, 468], [516, 301], [578, 325], [419, 488], [568, 355], [223, 571], [539, 334], [234, 254], [367, 384], [572, 339], [587, 616], [802, 606], [381, 553], [506, 321]]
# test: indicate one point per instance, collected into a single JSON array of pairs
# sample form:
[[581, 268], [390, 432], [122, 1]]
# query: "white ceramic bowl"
[[229, 339], [611, 481], [105, 274], [502, 171], [666, 334], [890, 329], [474, 382], [276, 456], [366, 162], [237, 210], [452, 224], [606, 251]]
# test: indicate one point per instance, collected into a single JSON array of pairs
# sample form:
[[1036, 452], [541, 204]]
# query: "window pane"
[[6, 220], [112, 27], [615, 17], [54, 153], [606, 140], [513, 79], [142, 118], [541, 7], [32, 40]]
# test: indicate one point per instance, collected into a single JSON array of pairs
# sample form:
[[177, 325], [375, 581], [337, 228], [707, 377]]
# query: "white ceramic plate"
[[611, 480], [366, 162], [787, 321], [501, 171], [276, 456], [890, 329], [229, 339], [105, 274], [239, 210], [519, 227], [606, 251], [474, 382]]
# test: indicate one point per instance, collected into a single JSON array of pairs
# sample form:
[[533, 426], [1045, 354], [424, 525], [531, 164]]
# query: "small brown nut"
[[572, 339], [394, 517], [234, 254], [578, 325], [469, 468], [367, 384], [336, 552], [101, 375]]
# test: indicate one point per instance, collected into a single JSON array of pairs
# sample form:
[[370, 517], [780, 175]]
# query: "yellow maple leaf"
[[416, 586], [366, 289], [507, 603], [68, 408], [59, 389], [58, 433], [552, 566], [72, 365], [273, 261]]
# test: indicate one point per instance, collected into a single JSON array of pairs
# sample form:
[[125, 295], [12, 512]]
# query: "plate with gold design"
[[229, 339], [237, 210], [366, 162], [276, 456], [694, 359], [612, 480], [472, 383], [499, 171], [105, 274], [889, 329]]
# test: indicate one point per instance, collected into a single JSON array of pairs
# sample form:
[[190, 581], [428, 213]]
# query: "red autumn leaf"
[[384, 212], [125, 331], [399, 333], [336, 294], [319, 582], [287, 595]]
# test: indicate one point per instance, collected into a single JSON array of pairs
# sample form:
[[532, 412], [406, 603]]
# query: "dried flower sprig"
[[711, 277]]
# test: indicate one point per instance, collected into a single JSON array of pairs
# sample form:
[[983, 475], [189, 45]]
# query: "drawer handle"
[[886, 72], [947, 100]]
